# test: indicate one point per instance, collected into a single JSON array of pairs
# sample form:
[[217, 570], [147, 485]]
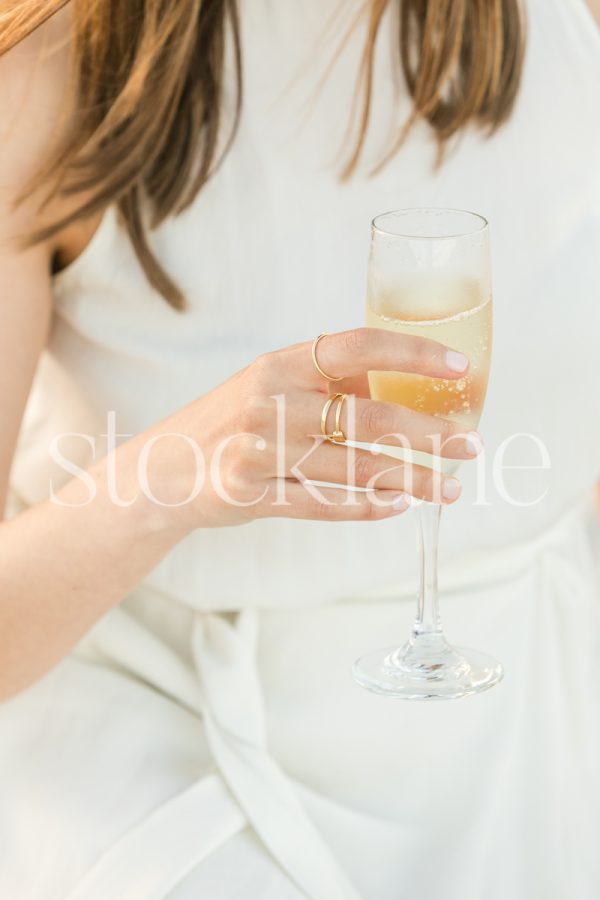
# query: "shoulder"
[[34, 109]]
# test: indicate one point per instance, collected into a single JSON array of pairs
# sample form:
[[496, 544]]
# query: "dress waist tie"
[[148, 861]]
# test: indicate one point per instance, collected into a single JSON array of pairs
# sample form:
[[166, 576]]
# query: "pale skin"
[[53, 588]]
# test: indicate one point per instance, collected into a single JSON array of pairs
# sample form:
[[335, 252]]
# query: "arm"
[[53, 586]]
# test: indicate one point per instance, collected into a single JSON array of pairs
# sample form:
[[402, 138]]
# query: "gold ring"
[[337, 436], [317, 366]]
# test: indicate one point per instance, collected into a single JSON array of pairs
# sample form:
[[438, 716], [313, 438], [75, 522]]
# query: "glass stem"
[[428, 621]]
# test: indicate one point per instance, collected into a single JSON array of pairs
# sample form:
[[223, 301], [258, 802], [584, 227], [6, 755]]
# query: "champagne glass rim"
[[481, 223]]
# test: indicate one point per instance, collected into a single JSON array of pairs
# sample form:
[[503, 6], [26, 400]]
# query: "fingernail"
[[473, 443], [401, 502], [450, 488], [456, 362]]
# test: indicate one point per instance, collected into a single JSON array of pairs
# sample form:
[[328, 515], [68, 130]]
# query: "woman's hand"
[[259, 442]]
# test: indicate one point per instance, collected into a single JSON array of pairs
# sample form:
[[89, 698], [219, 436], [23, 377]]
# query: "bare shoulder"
[[594, 6], [34, 78], [34, 108]]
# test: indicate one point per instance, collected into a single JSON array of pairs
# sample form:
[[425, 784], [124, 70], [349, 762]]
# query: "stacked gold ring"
[[337, 436]]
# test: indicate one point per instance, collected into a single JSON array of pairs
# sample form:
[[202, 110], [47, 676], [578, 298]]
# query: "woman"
[[178, 717]]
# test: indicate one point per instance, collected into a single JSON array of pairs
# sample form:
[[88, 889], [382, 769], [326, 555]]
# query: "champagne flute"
[[429, 275]]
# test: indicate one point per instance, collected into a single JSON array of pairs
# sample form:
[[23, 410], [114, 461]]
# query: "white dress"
[[206, 739]]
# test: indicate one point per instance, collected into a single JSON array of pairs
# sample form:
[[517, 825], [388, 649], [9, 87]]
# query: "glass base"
[[427, 668]]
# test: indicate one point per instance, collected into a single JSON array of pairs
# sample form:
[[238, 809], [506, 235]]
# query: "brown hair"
[[151, 94]]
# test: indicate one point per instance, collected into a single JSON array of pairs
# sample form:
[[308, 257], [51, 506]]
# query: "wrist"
[[157, 469]]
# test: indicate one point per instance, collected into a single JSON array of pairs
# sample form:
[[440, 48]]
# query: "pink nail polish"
[[450, 488], [401, 502], [473, 443], [456, 362]]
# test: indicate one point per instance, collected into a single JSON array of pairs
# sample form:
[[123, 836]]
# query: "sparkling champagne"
[[469, 330]]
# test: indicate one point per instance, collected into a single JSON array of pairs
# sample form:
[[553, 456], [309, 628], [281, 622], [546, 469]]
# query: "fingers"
[[372, 421], [291, 500], [361, 468], [349, 353]]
